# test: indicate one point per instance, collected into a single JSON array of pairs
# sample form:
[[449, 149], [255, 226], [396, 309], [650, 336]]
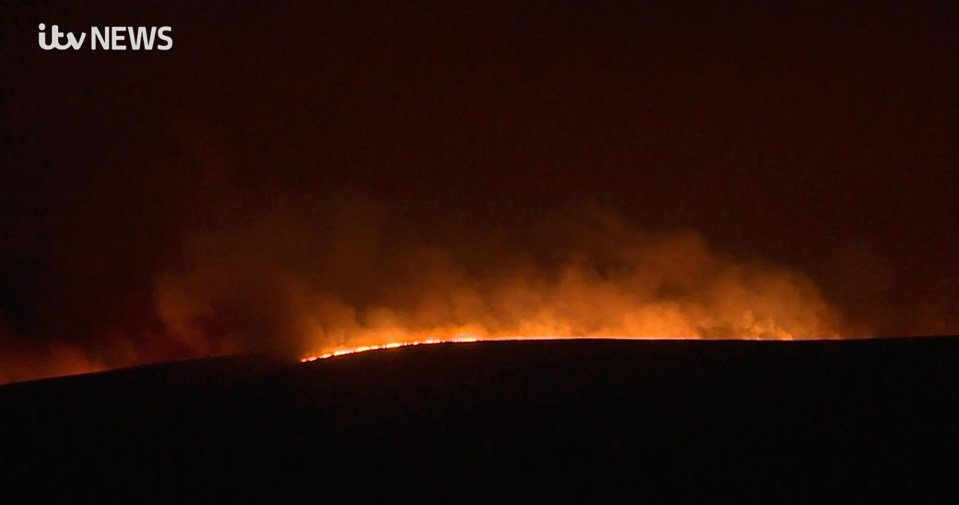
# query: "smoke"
[[223, 265], [305, 276]]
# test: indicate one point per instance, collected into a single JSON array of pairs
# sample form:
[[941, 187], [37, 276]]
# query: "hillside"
[[807, 420]]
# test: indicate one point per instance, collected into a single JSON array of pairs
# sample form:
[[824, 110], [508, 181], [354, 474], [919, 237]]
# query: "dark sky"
[[822, 138]]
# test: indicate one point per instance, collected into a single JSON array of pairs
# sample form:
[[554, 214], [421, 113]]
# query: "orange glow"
[[342, 282], [345, 282]]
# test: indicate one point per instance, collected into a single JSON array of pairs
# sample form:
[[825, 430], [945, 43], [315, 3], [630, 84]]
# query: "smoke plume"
[[303, 278]]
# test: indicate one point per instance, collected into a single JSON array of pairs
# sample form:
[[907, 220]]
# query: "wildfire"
[[345, 351], [389, 345]]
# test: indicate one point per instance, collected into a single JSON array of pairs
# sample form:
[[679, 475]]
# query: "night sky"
[[282, 139]]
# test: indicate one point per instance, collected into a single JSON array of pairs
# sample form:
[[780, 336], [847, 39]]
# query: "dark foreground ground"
[[816, 422]]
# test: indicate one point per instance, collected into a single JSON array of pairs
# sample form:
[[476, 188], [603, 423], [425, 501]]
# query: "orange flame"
[[348, 350], [343, 351]]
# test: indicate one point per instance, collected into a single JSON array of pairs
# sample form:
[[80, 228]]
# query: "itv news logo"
[[108, 38]]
